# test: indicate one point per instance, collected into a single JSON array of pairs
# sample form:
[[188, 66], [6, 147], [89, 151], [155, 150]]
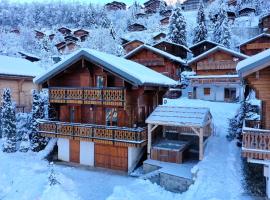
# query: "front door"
[[74, 151]]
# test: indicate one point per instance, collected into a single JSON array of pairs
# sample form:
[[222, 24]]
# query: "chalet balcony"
[[120, 136], [151, 62], [255, 141], [113, 96], [217, 65]]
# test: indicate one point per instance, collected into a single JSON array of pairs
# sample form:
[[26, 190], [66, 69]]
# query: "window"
[[230, 94], [111, 117], [206, 91], [100, 81]]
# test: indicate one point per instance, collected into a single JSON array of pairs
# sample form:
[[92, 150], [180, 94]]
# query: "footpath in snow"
[[219, 175]]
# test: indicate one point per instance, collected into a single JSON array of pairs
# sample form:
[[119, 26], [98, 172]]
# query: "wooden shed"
[[176, 122]]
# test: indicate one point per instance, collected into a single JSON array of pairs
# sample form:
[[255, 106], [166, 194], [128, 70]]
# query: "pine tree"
[[200, 29], [225, 38], [38, 142], [177, 27], [23, 127], [8, 122]]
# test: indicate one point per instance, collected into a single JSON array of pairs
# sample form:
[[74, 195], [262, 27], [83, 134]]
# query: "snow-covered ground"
[[25, 175]]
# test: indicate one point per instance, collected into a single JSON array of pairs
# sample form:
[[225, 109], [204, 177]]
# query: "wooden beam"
[[201, 149], [154, 127], [196, 131]]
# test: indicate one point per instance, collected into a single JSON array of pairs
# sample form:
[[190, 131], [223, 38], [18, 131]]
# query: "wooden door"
[[111, 157], [74, 151]]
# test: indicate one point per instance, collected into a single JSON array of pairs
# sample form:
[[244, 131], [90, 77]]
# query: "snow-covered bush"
[[52, 176], [23, 127], [8, 122]]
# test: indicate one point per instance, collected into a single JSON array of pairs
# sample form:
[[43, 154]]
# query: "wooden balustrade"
[[214, 80], [152, 62], [91, 132], [214, 65], [256, 143], [94, 96]]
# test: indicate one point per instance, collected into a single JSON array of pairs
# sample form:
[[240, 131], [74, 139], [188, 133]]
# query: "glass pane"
[[100, 81]]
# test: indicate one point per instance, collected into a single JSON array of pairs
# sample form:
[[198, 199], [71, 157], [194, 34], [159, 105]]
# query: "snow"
[[158, 51], [179, 116], [18, 67], [253, 62], [128, 69], [219, 173]]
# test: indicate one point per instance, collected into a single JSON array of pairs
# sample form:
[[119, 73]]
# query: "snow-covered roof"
[[179, 116], [12, 66], [204, 41], [133, 72], [254, 63], [157, 51], [254, 38], [217, 48], [173, 43]]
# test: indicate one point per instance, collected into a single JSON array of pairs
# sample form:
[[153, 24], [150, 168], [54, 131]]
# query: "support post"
[[149, 140], [201, 144]]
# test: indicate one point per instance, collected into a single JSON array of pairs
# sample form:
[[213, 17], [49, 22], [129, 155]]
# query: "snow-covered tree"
[[177, 27], [200, 30], [8, 122], [37, 141], [23, 127]]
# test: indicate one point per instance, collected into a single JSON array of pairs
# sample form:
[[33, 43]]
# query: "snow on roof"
[[209, 41], [254, 38], [133, 72], [253, 63], [169, 42], [18, 67], [179, 116], [217, 48], [155, 50]]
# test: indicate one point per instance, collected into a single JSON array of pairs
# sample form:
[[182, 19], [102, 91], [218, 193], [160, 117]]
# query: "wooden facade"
[[115, 5], [173, 48], [264, 23], [255, 45], [165, 21], [202, 47], [129, 46], [153, 6], [64, 30]]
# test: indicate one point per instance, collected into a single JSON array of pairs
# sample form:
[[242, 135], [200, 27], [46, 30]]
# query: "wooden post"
[[201, 144], [149, 126]]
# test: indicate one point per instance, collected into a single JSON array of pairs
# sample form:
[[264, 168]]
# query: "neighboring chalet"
[[16, 31], [159, 36], [101, 103], [153, 6], [71, 38], [115, 5], [157, 60], [129, 46], [190, 4], [201, 47], [124, 40], [255, 72], [39, 34], [264, 23], [141, 15], [246, 11], [66, 47], [81, 33], [136, 27], [166, 13], [255, 45], [173, 48], [18, 74], [65, 31], [216, 78], [231, 15], [165, 21]]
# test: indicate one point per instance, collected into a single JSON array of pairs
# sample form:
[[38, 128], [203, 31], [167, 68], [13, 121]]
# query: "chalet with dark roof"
[[166, 13], [202, 47], [246, 11], [64, 31], [136, 27], [115, 5], [190, 4], [264, 23], [255, 45], [153, 6], [81, 33], [129, 46], [165, 21], [159, 36], [39, 34]]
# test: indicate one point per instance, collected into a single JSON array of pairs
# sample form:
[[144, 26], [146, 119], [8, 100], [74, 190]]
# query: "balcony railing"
[[91, 132], [216, 65], [96, 96], [255, 141], [152, 62]]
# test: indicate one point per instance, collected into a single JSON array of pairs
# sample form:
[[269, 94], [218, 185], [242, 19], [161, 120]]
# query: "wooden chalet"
[[246, 11], [16, 31], [255, 45], [201, 47], [165, 21], [101, 103], [136, 27], [141, 15], [157, 60], [51, 36], [39, 34], [65, 31], [153, 6], [66, 47], [115, 5], [232, 2], [166, 13], [71, 38], [190, 4], [18, 74], [216, 78], [173, 48], [129, 46], [124, 40], [159, 36], [255, 73], [81, 33], [264, 23], [173, 131], [231, 15]]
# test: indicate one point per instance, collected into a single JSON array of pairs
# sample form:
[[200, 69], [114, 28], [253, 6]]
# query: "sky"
[[128, 2]]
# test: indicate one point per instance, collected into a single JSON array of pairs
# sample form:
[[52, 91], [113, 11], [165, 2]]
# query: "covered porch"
[[174, 131]]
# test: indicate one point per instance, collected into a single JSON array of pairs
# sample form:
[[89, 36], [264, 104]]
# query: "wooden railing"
[[152, 62], [214, 80], [96, 96], [256, 143], [91, 132], [216, 65]]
